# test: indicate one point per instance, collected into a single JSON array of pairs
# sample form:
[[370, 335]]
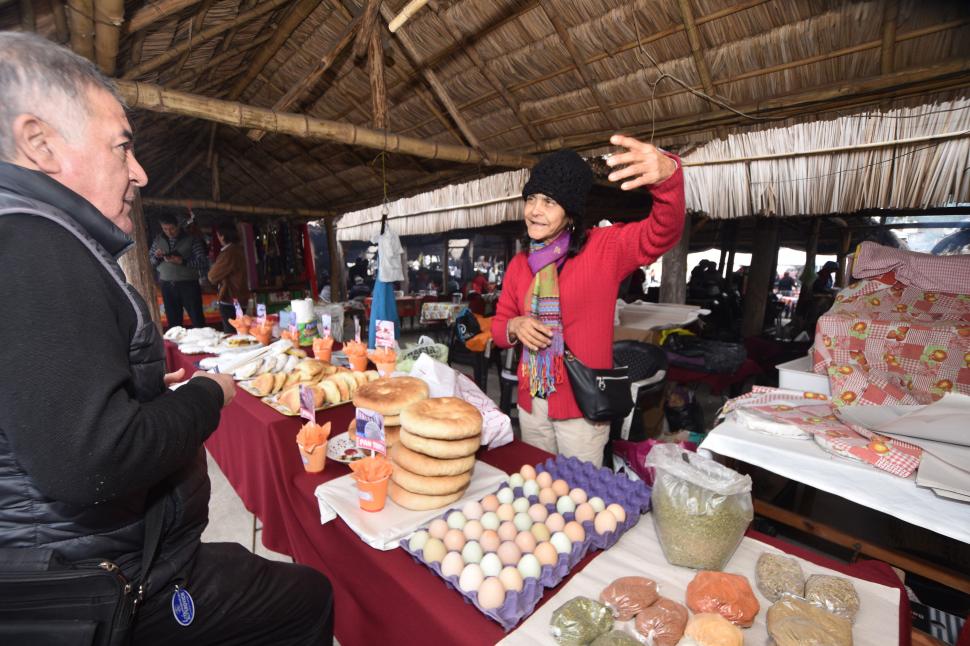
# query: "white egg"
[[456, 520], [491, 564], [471, 578], [565, 505], [417, 541], [490, 520], [522, 521], [521, 504], [562, 543], [597, 504], [472, 510], [472, 552], [505, 495], [530, 488], [529, 566], [516, 480]]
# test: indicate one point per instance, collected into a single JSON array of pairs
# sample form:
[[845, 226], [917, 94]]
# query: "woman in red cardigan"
[[562, 291]]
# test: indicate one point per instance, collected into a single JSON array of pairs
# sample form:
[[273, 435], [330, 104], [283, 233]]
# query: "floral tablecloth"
[[447, 312], [901, 335]]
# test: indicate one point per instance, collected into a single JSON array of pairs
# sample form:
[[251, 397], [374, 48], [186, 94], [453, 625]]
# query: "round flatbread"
[[392, 436], [428, 466], [392, 420], [444, 449], [417, 501], [442, 418], [389, 395], [430, 485]]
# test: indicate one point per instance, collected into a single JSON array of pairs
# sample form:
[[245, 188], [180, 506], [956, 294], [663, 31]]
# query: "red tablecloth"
[[380, 597]]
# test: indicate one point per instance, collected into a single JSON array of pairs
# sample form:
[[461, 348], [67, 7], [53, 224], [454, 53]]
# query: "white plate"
[[337, 445]]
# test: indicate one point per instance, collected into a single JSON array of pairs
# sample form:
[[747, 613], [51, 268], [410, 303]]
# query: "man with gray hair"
[[93, 446]]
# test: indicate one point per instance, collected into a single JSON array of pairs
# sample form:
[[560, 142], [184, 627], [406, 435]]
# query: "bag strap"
[[153, 534]]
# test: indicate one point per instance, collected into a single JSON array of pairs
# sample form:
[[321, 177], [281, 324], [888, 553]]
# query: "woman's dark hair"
[[229, 232], [578, 235]]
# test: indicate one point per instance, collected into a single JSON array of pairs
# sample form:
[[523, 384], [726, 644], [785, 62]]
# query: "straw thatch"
[[519, 77]]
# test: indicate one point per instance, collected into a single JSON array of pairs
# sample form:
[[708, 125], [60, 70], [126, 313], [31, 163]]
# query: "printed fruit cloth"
[[901, 334]]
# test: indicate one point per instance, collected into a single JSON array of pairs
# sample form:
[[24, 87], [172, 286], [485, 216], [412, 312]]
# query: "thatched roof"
[[468, 80]]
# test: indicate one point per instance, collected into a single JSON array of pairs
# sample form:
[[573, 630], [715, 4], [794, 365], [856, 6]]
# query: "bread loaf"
[[389, 395], [445, 449], [430, 485], [442, 418], [417, 501], [424, 465]]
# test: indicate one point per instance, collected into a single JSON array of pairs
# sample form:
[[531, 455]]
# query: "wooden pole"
[[238, 208], [368, 25], [378, 89], [214, 62], [445, 260], [28, 21], [60, 21], [80, 15], [158, 99], [673, 278], [696, 48], [138, 269], [216, 189], [760, 276], [842, 278], [887, 52], [337, 283], [108, 18], [405, 14], [185, 170], [155, 11]]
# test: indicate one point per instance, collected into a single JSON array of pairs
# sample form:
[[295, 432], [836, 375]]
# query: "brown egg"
[[525, 542], [619, 513], [560, 487], [555, 522], [538, 513], [578, 495], [509, 553], [491, 593], [541, 532], [454, 540], [528, 472], [547, 496], [507, 531], [511, 578], [574, 531], [490, 502], [544, 479], [605, 522], [505, 512], [438, 528], [489, 540], [546, 553], [452, 564], [473, 530], [585, 512]]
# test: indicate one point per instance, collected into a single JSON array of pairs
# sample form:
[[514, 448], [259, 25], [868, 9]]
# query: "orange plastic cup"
[[385, 369], [358, 362], [371, 496], [315, 460], [263, 335], [323, 348]]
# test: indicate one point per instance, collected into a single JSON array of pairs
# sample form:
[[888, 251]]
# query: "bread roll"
[[389, 395], [442, 418], [330, 391], [392, 420], [444, 449], [430, 485], [359, 377], [291, 397], [417, 501], [263, 384], [427, 466], [372, 375], [279, 379], [392, 436], [291, 378], [348, 379], [341, 386]]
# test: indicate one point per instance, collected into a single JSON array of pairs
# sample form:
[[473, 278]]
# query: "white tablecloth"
[[638, 554], [803, 461]]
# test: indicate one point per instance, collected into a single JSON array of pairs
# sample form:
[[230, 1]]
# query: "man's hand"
[[174, 377], [174, 259], [533, 334], [159, 253], [643, 162], [225, 382]]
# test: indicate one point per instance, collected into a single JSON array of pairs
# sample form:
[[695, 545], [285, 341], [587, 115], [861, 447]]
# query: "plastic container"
[[701, 509], [358, 362], [323, 348], [371, 496], [314, 460]]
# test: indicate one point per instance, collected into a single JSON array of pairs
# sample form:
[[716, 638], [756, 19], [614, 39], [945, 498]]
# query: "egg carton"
[[633, 496]]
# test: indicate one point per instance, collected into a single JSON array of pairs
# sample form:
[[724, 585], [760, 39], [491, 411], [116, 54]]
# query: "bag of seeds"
[[701, 509], [616, 638], [628, 595], [662, 624], [580, 621], [834, 593], [777, 575], [795, 622]]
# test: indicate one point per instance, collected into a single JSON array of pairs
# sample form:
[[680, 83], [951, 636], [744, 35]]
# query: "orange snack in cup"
[[263, 333], [385, 359], [323, 348], [371, 474], [242, 324], [312, 440]]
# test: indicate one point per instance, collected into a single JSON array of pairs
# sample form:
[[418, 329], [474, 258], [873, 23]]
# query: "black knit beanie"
[[565, 177]]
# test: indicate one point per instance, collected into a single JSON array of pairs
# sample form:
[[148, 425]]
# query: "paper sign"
[[239, 312], [261, 312], [307, 407], [384, 335], [285, 319], [325, 322], [370, 431], [357, 329]]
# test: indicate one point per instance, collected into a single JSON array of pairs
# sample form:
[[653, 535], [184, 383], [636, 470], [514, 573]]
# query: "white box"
[[798, 375]]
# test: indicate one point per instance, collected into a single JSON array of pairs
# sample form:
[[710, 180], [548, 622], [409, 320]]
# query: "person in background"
[[228, 274], [325, 295], [561, 291], [478, 283], [786, 284], [179, 259], [90, 450], [359, 290], [825, 283]]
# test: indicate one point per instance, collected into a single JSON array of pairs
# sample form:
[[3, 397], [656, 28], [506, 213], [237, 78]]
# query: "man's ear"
[[33, 144]]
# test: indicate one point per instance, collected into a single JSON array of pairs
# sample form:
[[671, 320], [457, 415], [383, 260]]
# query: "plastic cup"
[[263, 335], [371, 496], [323, 348], [358, 362], [385, 369], [315, 460]]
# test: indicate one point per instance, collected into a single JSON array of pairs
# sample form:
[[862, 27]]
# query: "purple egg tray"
[[634, 497]]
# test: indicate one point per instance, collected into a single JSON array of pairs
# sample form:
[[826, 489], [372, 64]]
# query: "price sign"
[[325, 322], [307, 407], [384, 335], [239, 312], [370, 431], [261, 312], [357, 329]]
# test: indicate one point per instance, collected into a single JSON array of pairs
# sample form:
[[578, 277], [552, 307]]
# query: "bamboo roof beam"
[[494, 81], [80, 17], [368, 24], [202, 37], [155, 11], [247, 209], [61, 31], [157, 99], [198, 21], [298, 92], [293, 19], [887, 53], [215, 61], [28, 21], [696, 48], [436, 86], [581, 67], [137, 47], [109, 15]]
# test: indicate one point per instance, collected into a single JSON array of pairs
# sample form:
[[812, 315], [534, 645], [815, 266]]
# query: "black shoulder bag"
[[602, 395], [44, 601]]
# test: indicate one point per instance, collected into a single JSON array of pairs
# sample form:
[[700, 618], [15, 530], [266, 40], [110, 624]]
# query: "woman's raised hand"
[[642, 162], [533, 334]]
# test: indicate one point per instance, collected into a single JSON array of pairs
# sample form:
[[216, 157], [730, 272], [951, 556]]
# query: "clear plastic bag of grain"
[[663, 623], [834, 593], [579, 621], [701, 509], [628, 595], [777, 575], [795, 622], [616, 638]]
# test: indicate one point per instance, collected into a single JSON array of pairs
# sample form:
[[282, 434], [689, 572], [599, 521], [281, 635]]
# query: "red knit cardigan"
[[588, 286]]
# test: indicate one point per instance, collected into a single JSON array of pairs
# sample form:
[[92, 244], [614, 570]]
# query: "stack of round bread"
[[433, 462], [389, 396]]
